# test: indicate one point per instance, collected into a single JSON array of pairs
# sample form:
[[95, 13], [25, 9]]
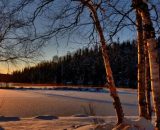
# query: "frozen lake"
[[29, 103]]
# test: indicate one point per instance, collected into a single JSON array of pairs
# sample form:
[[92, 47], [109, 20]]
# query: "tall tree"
[[149, 38], [141, 68], [147, 82], [111, 85]]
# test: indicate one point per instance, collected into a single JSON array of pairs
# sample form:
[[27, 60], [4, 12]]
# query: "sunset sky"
[[53, 49]]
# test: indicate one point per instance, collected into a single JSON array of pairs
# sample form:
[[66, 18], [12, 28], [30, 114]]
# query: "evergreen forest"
[[85, 67]]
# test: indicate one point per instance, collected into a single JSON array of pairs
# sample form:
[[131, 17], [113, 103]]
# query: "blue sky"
[[52, 49]]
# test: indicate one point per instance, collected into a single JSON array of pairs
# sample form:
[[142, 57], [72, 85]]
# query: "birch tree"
[[111, 85], [149, 38], [141, 68]]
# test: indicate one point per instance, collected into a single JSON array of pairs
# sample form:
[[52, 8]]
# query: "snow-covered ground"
[[28, 103], [24, 105]]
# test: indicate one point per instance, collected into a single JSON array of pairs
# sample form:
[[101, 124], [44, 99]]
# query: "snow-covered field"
[[28, 103], [28, 108]]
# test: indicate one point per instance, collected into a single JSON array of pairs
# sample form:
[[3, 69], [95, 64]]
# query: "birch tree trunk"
[[147, 83], [155, 81], [149, 37], [141, 69], [111, 84]]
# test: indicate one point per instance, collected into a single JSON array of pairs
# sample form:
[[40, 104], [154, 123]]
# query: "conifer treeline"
[[85, 66]]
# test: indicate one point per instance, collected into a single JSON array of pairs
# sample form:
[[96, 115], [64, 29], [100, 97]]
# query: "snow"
[[28, 103], [139, 124], [65, 110]]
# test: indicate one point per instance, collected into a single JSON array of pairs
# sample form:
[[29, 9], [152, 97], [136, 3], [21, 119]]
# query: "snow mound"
[[46, 117], [5, 119], [128, 124], [140, 124]]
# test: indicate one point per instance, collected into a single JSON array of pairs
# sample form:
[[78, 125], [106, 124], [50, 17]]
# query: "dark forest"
[[85, 67]]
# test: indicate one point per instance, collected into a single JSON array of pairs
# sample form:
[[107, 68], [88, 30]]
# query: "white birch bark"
[[154, 73], [109, 76]]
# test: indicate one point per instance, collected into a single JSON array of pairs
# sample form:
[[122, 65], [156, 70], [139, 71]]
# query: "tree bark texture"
[[149, 37], [141, 69], [155, 83], [148, 84], [111, 84]]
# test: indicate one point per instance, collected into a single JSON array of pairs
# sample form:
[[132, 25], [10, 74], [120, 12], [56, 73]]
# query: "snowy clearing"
[[28, 103], [66, 110]]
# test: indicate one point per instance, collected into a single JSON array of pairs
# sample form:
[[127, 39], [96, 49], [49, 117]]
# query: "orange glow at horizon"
[[8, 69], [5, 69]]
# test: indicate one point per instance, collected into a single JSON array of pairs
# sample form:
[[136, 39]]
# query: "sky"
[[48, 52], [52, 49]]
